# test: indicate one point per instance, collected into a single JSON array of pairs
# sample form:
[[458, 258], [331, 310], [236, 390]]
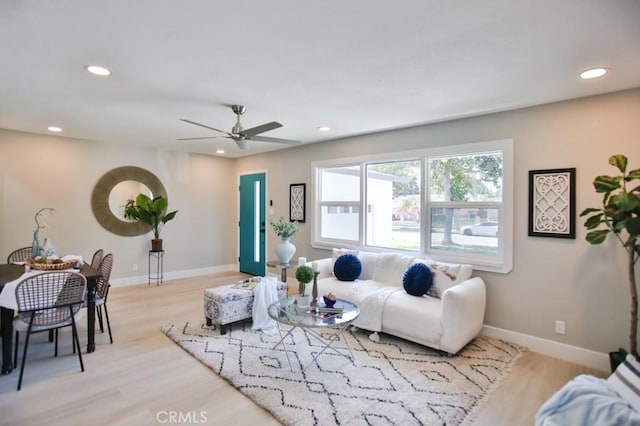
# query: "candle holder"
[[314, 291]]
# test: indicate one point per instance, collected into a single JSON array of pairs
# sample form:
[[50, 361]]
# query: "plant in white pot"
[[285, 230], [152, 212], [620, 216]]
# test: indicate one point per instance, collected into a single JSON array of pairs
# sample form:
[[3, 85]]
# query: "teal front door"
[[252, 224]]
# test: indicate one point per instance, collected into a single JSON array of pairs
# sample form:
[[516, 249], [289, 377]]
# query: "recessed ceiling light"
[[324, 128], [54, 129], [593, 73], [97, 70], [220, 151]]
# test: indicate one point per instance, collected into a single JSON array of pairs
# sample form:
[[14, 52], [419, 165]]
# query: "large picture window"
[[465, 202], [338, 203], [393, 205], [449, 203]]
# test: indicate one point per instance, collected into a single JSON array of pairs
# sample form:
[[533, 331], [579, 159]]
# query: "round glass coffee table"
[[287, 311]]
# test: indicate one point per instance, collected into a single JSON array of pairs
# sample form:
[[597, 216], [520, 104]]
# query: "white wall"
[[47, 171], [552, 279]]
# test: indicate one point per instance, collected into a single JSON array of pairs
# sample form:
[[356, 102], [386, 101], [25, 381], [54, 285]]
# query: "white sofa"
[[447, 322]]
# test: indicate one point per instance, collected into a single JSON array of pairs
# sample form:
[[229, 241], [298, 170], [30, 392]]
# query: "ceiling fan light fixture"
[[593, 73], [240, 135], [242, 143], [98, 70]]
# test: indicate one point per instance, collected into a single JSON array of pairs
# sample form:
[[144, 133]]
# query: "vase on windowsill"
[[285, 251]]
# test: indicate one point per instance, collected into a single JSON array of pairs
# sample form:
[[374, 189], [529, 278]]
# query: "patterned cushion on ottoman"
[[234, 302]]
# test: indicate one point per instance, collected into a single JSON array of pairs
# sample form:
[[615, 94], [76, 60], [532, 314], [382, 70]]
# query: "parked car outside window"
[[485, 229]]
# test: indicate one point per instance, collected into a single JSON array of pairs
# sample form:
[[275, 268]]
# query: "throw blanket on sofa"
[[586, 400], [264, 294], [370, 298]]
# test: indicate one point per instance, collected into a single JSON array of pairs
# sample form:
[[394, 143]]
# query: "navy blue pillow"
[[417, 279], [347, 267]]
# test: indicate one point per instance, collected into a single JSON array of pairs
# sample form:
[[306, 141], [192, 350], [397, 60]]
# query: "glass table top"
[[287, 311]]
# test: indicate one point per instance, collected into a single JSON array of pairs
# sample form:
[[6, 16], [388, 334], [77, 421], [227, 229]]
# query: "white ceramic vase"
[[285, 251]]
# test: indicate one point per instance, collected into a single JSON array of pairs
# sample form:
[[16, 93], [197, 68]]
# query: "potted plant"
[[620, 216], [304, 275], [151, 212], [285, 230]]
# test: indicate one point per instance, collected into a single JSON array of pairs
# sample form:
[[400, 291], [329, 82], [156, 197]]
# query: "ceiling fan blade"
[[206, 137], [261, 129], [275, 140], [206, 127]]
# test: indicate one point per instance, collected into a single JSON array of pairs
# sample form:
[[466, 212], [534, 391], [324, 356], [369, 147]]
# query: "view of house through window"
[[465, 200], [340, 203], [393, 205], [449, 202]]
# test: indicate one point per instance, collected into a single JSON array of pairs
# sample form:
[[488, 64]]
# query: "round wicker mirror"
[[102, 192]]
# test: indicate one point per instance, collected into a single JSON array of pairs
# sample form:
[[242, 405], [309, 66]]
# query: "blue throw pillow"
[[417, 279], [347, 267]]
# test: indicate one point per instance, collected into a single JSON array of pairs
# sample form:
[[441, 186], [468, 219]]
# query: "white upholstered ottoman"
[[234, 302]]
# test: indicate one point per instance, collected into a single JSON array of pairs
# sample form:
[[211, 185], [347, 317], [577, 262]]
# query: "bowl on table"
[[59, 265], [328, 302]]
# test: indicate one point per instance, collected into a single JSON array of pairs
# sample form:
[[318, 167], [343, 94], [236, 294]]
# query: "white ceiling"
[[358, 66]]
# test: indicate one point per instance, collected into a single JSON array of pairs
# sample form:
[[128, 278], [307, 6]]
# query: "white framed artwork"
[[552, 203]]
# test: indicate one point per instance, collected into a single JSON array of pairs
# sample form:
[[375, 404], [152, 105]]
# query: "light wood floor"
[[144, 377]]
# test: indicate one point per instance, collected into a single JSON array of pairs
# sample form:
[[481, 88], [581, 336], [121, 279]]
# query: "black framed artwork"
[[552, 203], [297, 203]]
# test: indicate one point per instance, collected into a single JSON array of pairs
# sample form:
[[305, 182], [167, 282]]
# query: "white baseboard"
[[563, 351], [144, 279]]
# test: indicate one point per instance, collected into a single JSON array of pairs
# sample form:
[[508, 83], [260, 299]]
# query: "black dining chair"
[[48, 301], [19, 255]]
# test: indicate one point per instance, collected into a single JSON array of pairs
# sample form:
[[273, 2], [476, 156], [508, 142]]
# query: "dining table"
[[11, 272]]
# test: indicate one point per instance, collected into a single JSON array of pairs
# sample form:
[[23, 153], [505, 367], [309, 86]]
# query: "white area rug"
[[392, 382]]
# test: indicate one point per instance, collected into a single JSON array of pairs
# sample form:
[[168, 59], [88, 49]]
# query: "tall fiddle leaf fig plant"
[[619, 215]]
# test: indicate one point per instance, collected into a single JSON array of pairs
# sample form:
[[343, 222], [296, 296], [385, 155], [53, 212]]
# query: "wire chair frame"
[[47, 293], [102, 292], [96, 259], [102, 287], [48, 301], [19, 255]]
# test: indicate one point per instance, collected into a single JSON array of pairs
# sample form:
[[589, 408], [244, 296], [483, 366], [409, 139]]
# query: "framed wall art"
[[552, 203], [297, 202]]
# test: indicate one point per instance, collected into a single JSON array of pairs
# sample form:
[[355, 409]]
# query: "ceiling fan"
[[239, 135]]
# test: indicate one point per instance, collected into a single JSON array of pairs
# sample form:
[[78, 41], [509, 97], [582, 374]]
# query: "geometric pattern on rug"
[[391, 382]]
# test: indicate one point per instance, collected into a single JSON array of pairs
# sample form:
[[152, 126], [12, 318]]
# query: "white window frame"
[[317, 204], [502, 262]]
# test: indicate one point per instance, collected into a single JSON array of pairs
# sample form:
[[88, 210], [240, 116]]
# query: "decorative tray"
[[50, 266]]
